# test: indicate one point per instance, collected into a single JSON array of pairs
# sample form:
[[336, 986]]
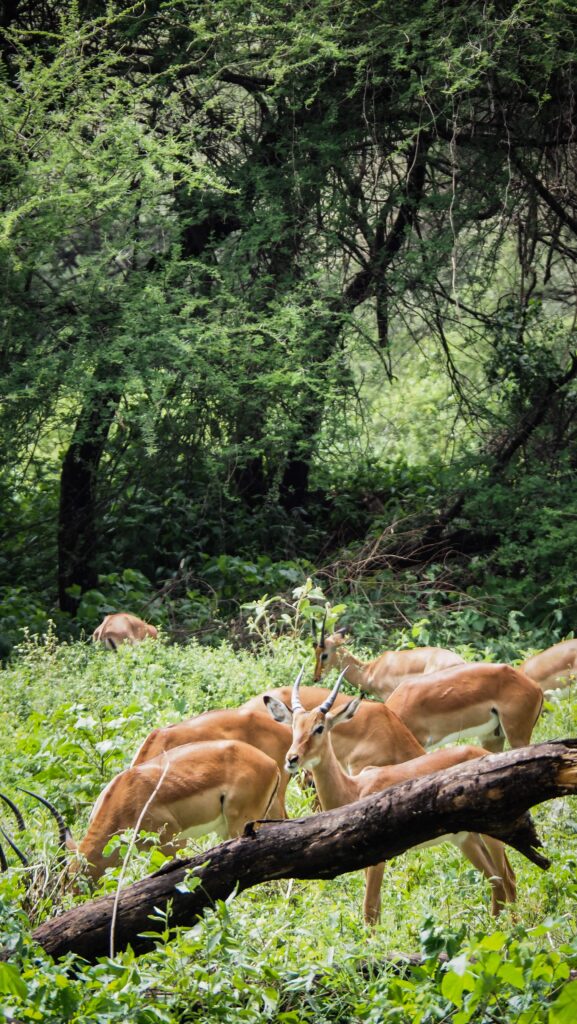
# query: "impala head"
[[310, 728], [326, 648]]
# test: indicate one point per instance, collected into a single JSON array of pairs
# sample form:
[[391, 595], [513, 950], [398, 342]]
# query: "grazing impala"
[[492, 702], [254, 727], [122, 627], [555, 667], [183, 793], [312, 749], [381, 676]]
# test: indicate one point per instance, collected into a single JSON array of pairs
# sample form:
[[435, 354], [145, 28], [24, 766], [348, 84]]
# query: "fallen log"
[[491, 795]]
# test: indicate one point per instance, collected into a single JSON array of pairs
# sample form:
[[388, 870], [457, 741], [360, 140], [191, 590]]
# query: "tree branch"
[[547, 196], [387, 246]]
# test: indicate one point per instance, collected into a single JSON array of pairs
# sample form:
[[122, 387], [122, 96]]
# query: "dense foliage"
[[275, 277]]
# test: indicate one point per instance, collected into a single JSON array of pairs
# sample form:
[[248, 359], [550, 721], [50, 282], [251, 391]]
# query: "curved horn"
[[296, 703], [314, 630], [64, 833], [15, 811], [324, 622], [328, 703], [3, 861], [13, 846]]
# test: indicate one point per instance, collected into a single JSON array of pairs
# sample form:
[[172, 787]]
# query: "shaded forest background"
[[289, 290]]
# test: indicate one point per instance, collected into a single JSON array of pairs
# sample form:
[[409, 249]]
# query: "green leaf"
[[564, 1009], [458, 980], [11, 983], [495, 941], [511, 974]]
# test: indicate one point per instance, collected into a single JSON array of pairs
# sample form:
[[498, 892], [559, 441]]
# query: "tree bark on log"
[[491, 795]]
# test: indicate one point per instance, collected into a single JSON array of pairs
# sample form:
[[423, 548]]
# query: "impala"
[[375, 736], [382, 675], [183, 793], [555, 667], [122, 627], [312, 749], [492, 702], [254, 727]]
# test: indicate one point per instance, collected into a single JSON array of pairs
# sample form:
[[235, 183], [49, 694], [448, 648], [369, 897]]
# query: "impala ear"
[[343, 714], [278, 710], [340, 634]]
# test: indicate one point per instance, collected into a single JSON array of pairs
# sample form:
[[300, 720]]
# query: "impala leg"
[[244, 806], [473, 848], [518, 728], [518, 734], [274, 804], [495, 743], [372, 901], [237, 817], [276, 809], [502, 865], [278, 806]]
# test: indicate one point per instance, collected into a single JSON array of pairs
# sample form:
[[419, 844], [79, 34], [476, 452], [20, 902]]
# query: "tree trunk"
[[77, 535], [491, 795]]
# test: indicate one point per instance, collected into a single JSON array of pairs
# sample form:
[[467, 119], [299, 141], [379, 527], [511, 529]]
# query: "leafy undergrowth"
[[73, 715]]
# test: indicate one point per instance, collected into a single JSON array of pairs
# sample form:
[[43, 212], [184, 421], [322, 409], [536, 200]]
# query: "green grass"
[[73, 715]]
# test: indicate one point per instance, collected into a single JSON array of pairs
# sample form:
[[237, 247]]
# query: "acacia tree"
[[88, 229], [197, 200]]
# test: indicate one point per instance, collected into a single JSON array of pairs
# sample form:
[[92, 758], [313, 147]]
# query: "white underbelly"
[[196, 831], [487, 728], [454, 837]]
